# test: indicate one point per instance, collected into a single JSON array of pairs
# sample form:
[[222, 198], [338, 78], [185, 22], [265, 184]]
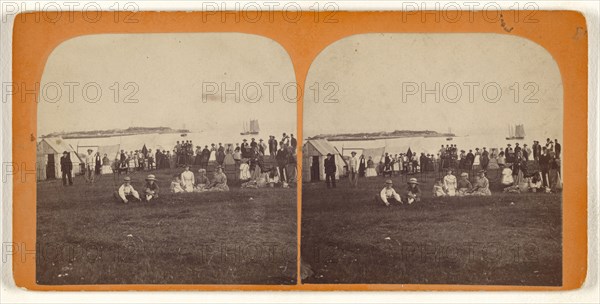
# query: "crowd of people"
[[248, 157], [523, 169]]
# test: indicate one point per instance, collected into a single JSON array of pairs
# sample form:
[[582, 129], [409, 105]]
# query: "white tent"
[[314, 154], [112, 151], [49, 152]]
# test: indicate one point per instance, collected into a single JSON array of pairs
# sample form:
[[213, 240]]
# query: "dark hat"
[[329, 154], [244, 139], [90, 150], [352, 152], [65, 152]]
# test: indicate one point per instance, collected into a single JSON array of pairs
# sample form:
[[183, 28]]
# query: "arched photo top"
[[202, 80], [431, 82]]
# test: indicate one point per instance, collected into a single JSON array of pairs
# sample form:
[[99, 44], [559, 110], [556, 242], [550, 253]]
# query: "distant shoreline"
[[116, 132], [381, 135]]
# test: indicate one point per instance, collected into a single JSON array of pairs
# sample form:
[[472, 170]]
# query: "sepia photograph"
[[167, 159], [435, 159]]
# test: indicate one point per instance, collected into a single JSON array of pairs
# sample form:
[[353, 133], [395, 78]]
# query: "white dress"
[[244, 171], [187, 181], [370, 170], [450, 184]]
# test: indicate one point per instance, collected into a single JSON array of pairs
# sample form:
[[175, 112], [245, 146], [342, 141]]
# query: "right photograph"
[[432, 159]]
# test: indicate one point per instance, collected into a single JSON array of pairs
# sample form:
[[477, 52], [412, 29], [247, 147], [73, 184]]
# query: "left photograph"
[[167, 159]]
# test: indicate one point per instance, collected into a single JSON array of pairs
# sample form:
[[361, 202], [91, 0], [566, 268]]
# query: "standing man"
[[66, 166], [293, 142], [526, 152], [484, 160], [353, 170], [330, 169], [545, 167], [262, 147], [90, 164], [557, 148], [282, 160], [536, 153], [272, 147]]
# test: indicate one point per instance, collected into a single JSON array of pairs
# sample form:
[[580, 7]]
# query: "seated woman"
[[450, 183], [413, 193], [219, 182], [201, 181], [187, 179], [176, 184], [464, 185], [151, 188], [438, 188], [482, 186], [507, 177]]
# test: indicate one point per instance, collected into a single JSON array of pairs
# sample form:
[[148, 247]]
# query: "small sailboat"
[[449, 132], [516, 132], [251, 128]]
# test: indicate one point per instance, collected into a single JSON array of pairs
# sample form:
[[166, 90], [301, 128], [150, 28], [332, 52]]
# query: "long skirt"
[[371, 172], [106, 169]]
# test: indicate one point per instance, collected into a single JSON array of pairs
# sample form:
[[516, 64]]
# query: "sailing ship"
[[516, 132], [250, 128], [452, 135], [184, 134]]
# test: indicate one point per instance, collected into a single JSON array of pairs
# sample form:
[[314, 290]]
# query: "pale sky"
[[168, 71], [373, 73]]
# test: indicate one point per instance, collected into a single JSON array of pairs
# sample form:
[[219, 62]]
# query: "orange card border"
[[559, 32]]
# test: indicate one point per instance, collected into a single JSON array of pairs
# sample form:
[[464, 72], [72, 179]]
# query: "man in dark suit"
[[66, 166], [282, 160], [330, 169], [557, 148], [544, 161]]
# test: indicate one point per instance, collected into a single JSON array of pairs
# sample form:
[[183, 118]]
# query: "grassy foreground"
[[506, 239], [245, 236]]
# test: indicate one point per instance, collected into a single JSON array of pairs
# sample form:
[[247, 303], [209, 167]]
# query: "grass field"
[[506, 239], [245, 236]]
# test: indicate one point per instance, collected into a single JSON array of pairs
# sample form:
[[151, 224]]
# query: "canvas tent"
[[314, 154], [376, 154], [49, 152], [111, 151]]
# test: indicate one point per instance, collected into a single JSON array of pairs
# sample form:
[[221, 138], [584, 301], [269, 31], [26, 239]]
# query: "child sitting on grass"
[[413, 192], [438, 188], [388, 194], [125, 193], [176, 184], [151, 188]]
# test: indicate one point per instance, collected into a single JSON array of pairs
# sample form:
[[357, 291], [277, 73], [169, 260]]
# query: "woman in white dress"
[[370, 168], [106, 168], [397, 163], [450, 184], [187, 180], [244, 170]]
